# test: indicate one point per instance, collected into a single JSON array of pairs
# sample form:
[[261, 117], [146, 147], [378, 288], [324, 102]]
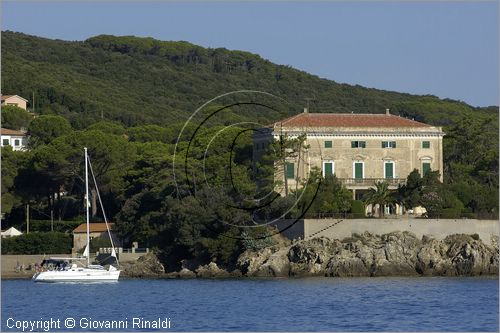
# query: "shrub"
[[98, 242], [45, 226], [450, 213], [38, 243], [475, 237], [357, 209], [255, 239], [468, 213]]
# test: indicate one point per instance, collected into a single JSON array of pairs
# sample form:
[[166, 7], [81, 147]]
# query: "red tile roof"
[[6, 131], [348, 120], [94, 227]]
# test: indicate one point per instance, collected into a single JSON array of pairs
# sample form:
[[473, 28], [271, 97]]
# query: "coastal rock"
[[268, 262], [342, 265], [186, 274], [211, 271], [249, 262], [146, 266], [470, 256], [396, 253], [432, 258], [310, 257], [276, 265]]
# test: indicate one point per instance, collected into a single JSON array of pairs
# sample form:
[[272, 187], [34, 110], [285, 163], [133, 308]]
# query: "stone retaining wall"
[[439, 229]]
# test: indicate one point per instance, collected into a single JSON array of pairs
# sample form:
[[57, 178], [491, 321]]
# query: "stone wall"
[[11, 261], [339, 229]]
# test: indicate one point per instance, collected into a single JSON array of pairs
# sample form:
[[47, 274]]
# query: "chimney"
[[306, 110], [387, 112]]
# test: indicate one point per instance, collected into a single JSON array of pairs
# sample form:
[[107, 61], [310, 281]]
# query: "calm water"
[[320, 304]]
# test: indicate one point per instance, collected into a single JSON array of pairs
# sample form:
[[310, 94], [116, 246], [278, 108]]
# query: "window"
[[358, 170], [328, 144], [358, 144], [5, 142], [388, 144], [426, 167], [328, 168], [290, 170], [16, 142], [426, 144], [388, 169]]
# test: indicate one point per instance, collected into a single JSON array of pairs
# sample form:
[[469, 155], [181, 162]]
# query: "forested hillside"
[[126, 99], [142, 80]]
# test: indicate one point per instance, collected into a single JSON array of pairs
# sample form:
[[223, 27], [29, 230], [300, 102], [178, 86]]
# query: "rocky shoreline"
[[365, 255], [393, 254]]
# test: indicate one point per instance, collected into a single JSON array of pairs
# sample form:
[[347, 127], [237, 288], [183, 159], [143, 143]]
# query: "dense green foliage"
[[137, 81], [11, 163], [323, 197], [45, 128], [379, 195], [14, 117], [38, 243], [126, 99], [46, 225]]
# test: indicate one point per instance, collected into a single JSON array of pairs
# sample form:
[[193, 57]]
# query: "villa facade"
[[360, 149]]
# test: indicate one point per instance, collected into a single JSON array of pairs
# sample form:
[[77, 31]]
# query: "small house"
[[15, 100], [97, 230]]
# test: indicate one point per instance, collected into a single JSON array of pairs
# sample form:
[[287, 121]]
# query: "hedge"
[[450, 213], [357, 209], [45, 225], [38, 243]]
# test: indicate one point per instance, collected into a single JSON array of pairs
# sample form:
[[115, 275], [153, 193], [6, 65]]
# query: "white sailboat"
[[71, 269]]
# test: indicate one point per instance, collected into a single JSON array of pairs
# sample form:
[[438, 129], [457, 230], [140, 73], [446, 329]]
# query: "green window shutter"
[[389, 170], [328, 144], [328, 169], [358, 170], [290, 170], [426, 144], [393, 144], [354, 144], [362, 144], [426, 167], [384, 144]]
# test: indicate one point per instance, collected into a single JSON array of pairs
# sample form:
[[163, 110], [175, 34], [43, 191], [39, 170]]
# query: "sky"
[[447, 49]]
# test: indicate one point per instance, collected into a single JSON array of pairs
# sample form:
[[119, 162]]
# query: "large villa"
[[360, 149]]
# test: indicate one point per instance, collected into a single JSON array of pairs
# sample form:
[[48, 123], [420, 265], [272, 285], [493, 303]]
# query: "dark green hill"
[[142, 80]]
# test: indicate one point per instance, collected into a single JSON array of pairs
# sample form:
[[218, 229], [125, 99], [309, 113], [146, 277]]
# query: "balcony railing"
[[372, 181]]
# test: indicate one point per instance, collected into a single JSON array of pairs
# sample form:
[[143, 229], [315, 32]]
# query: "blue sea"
[[313, 304]]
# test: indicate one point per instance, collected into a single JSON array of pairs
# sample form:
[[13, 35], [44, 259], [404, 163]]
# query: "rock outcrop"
[[211, 271], [397, 253], [146, 266]]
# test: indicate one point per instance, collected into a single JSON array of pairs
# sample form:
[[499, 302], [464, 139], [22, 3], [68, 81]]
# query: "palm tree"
[[379, 195]]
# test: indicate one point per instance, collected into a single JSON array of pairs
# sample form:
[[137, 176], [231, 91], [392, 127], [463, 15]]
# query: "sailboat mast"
[[87, 203]]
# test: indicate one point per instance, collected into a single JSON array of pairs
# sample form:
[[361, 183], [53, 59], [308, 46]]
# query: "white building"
[[17, 139]]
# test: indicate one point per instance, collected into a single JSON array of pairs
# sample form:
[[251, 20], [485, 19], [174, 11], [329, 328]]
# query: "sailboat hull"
[[77, 275]]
